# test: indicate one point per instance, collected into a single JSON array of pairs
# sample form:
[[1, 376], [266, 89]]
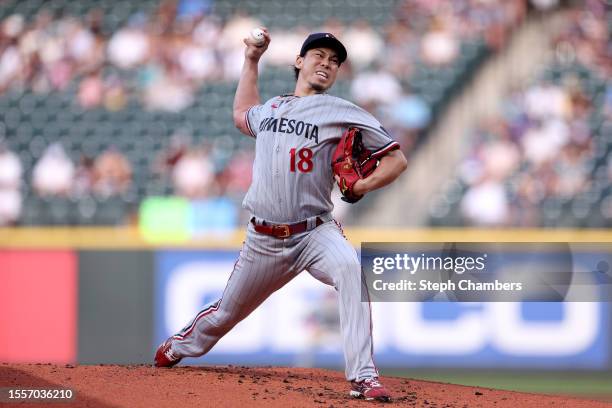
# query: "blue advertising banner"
[[298, 325]]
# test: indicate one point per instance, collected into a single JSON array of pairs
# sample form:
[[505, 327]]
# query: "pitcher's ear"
[[299, 61]]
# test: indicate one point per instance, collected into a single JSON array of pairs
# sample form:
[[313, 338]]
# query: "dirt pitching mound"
[[108, 386]]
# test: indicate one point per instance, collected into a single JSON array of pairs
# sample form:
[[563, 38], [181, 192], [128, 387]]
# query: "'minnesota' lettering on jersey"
[[285, 125]]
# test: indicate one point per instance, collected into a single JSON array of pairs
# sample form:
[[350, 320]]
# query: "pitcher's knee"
[[345, 270]]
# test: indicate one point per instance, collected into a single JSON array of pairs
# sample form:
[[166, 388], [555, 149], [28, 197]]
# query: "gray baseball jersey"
[[296, 138], [292, 182]]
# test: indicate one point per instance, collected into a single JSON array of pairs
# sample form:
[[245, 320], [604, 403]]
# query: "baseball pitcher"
[[304, 141]]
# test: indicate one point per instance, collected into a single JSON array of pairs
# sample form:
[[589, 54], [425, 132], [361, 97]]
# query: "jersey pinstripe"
[[295, 140]]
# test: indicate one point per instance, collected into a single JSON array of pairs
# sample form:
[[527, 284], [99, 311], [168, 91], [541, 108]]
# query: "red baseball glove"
[[351, 162]]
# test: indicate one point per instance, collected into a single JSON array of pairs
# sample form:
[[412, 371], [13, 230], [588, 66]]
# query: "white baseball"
[[257, 35]]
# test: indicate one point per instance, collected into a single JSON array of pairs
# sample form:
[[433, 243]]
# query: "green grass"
[[568, 383]]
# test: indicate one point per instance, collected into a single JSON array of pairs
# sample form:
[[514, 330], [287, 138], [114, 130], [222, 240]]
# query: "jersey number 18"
[[304, 162]]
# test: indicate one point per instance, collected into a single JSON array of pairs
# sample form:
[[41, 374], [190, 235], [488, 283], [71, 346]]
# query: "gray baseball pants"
[[265, 265]]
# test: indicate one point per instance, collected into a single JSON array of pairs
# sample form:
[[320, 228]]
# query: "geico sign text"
[[283, 324]]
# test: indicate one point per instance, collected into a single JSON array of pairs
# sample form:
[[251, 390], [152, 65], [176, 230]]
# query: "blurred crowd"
[[185, 168], [55, 175], [426, 34], [182, 45], [169, 53], [161, 59], [542, 145], [193, 171]]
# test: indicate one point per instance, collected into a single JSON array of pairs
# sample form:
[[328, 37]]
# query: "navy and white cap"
[[326, 40]]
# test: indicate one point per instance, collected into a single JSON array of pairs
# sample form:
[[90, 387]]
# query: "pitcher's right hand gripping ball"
[[351, 162], [257, 35], [256, 44]]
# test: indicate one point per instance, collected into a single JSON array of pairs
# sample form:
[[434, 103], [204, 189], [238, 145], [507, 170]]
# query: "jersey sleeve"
[[253, 118], [375, 137]]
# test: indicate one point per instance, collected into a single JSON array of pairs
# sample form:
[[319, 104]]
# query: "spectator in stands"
[[406, 119], [168, 92], [238, 173], [12, 27], [10, 168], [200, 58], [31, 45], [410, 112], [130, 46], [401, 50], [571, 170], [11, 61], [543, 141], [544, 100], [365, 45], [10, 184], [54, 172], [84, 48], [439, 45], [500, 156], [91, 90], [486, 204], [112, 173], [372, 88], [115, 97], [193, 174], [199, 61], [168, 158], [83, 177]]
